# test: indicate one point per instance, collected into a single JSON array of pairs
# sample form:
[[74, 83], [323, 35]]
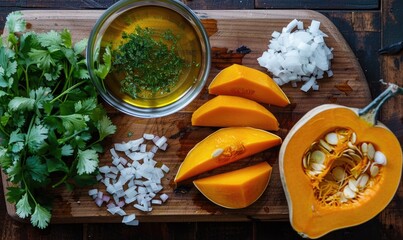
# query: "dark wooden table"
[[367, 25]]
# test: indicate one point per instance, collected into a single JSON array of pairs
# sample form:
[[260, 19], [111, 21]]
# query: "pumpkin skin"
[[236, 189], [235, 142], [243, 81], [232, 111], [307, 216]]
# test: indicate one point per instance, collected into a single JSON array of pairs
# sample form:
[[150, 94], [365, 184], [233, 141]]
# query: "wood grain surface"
[[228, 31]]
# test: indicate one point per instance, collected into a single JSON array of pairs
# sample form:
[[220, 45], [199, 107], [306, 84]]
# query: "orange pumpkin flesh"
[[232, 111], [224, 146], [307, 215], [236, 189], [242, 81]]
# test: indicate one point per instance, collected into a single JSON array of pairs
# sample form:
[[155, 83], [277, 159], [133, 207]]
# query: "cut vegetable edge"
[[244, 186], [247, 82], [234, 111], [189, 169]]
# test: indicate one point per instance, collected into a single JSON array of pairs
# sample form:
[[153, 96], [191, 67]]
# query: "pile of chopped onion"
[[134, 177], [300, 55]]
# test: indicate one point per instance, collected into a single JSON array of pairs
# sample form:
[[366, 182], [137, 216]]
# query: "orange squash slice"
[[242, 81], [236, 189], [232, 111], [224, 146]]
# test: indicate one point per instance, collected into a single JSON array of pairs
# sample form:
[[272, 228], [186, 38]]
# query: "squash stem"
[[371, 111]]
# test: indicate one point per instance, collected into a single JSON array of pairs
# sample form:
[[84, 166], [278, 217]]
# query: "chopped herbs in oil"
[[149, 62]]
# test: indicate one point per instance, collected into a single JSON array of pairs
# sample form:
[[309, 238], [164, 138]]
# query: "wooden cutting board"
[[228, 31]]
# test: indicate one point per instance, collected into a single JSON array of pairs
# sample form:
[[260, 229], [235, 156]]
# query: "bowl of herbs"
[[148, 58]]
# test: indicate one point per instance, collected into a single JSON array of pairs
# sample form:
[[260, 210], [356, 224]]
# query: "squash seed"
[[318, 157], [338, 174], [362, 180], [352, 184], [325, 145], [380, 158], [353, 138], [364, 149], [332, 138], [348, 193], [371, 151], [217, 152], [374, 169]]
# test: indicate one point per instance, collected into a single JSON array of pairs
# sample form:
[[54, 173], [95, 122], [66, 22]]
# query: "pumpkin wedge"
[[222, 147], [232, 111], [243, 81], [339, 167], [236, 189]]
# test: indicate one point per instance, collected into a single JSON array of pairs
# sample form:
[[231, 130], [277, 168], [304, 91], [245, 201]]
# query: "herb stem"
[[28, 190], [67, 91]]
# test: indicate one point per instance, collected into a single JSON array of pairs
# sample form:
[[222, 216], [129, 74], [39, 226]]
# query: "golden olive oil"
[[159, 19]]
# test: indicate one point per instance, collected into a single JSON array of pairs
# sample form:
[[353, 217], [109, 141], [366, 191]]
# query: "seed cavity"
[[342, 168]]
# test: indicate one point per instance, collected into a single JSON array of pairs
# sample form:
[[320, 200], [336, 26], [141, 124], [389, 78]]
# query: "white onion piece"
[[133, 179], [128, 218], [298, 55]]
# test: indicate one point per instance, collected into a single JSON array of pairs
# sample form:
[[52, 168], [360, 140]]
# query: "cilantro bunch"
[[51, 125]]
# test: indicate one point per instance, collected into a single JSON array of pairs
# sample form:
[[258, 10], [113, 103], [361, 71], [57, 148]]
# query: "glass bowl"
[[162, 18]]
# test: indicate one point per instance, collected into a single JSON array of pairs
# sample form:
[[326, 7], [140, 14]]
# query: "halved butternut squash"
[[236, 189], [242, 81], [339, 166], [232, 111], [224, 146]]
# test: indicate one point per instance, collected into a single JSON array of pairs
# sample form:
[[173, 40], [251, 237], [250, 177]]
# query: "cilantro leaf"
[[41, 95], [51, 38], [14, 194], [41, 217], [73, 122], [5, 159], [54, 165], [15, 22], [87, 161], [16, 136], [23, 209], [67, 150], [42, 58], [65, 36], [86, 106], [103, 69], [21, 103], [36, 137], [14, 172], [105, 127], [36, 169], [80, 46]]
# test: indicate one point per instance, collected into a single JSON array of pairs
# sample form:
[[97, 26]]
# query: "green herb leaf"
[[36, 137], [23, 209], [80, 46], [15, 22], [105, 127], [74, 121], [56, 165], [85, 106], [67, 150], [41, 217], [65, 36], [21, 103], [42, 58], [87, 161], [36, 169], [14, 194]]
